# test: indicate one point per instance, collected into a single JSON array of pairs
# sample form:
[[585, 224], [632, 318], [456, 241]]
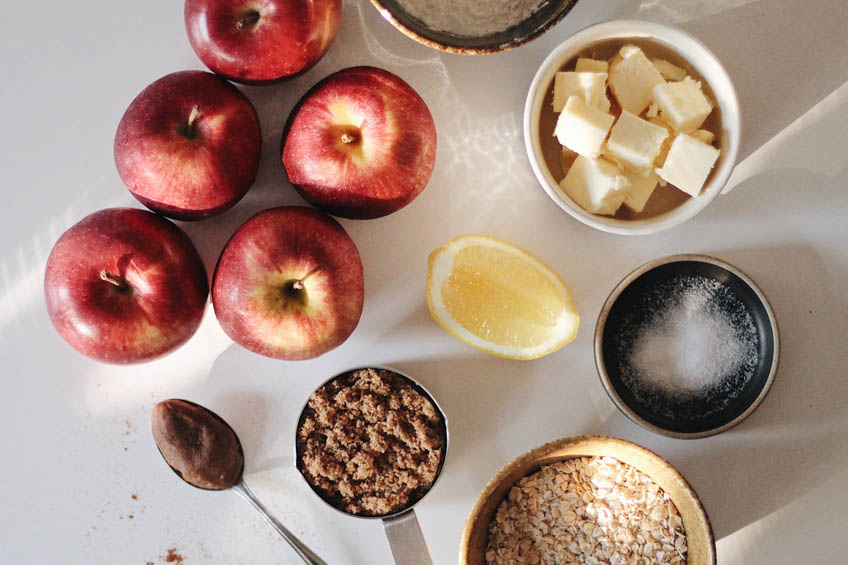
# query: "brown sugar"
[[370, 443]]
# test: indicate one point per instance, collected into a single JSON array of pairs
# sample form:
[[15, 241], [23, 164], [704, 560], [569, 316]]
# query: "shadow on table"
[[266, 424], [796, 439], [783, 57]]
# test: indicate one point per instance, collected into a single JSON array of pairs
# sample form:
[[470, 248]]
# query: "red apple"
[[258, 41], [188, 146], [360, 144], [289, 284], [125, 285]]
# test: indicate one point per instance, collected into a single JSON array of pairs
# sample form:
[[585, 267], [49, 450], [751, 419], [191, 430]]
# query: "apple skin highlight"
[[125, 285], [360, 144], [289, 284], [261, 41], [188, 145]]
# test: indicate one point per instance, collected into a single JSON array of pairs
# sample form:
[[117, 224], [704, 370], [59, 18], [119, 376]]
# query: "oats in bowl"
[[590, 510], [588, 499]]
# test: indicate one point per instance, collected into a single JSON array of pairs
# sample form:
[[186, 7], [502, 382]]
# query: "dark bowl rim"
[[601, 324], [564, 9]]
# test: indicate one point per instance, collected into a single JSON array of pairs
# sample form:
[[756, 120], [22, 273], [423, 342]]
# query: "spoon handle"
[[304, 552]]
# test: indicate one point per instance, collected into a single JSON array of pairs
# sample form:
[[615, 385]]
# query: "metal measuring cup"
[[406, 539]]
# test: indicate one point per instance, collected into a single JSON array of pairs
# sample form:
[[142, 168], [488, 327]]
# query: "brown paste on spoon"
[[197, 444]]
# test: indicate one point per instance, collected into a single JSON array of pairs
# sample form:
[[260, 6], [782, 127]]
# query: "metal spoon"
[[230, 480]]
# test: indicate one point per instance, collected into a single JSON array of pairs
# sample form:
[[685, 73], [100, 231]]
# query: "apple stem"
[[293, 294], [248, 19], [193, 116], [117, 281], [188, 128]]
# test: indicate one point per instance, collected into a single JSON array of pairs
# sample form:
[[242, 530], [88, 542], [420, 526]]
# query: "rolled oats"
[[588, 511]]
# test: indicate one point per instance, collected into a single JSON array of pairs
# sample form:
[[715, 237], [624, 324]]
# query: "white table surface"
[[81, 479]]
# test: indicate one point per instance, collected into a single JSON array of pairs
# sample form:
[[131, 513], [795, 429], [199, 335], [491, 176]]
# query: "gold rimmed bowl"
[[699, 535]]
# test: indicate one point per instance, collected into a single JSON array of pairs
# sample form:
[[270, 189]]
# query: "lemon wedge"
[[499, 298]]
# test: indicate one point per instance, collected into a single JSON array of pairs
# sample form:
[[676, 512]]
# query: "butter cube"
[[668, 70], [591, 87], [660, 159], [582, 128], [653, 111], [703, 135], [597, 185], [632, 78], [584, 64], [605, 103], [682, 104], [635, 142], [640, 190], [688, 164]]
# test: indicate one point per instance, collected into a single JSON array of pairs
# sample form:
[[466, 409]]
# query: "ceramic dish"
[[699, 534], [669, 207], [543, 19], [712, 412]]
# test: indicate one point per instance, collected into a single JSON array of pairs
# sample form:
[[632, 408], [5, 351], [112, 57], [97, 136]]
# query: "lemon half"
[[499, 298]]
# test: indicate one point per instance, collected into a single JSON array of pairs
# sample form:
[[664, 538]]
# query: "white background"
[[76, 443]]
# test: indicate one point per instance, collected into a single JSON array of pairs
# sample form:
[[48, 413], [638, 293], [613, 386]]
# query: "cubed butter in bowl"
[[688, 163], [636, 142], [582, 128], [632, 127], [596, 184]]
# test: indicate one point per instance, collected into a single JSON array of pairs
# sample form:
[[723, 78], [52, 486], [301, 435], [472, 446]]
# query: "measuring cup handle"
[[406, 540]]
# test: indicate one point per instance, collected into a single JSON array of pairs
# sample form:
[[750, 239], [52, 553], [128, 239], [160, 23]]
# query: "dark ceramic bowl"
[[543, 19], [635, 301]]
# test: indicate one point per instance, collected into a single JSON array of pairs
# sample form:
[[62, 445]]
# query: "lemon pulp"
[[499, 298]]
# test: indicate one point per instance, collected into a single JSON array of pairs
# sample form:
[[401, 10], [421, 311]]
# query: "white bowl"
[[665, 39]]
